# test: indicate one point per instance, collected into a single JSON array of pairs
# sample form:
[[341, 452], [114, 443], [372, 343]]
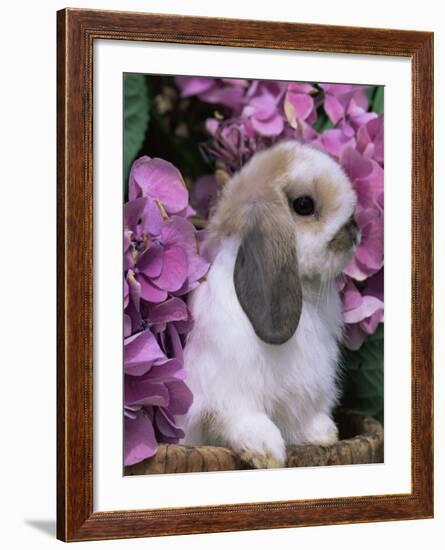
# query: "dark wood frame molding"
[[76, 32]]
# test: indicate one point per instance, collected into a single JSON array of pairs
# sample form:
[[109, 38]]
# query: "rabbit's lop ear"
[[267, 282]]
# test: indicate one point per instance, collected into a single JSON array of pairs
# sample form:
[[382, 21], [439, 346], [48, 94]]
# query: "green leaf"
[[370, 91], [377, 104], [136, 115], [322, 123], [362, 378]]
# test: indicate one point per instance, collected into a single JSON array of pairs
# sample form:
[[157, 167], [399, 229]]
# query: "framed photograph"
[[239, 202]]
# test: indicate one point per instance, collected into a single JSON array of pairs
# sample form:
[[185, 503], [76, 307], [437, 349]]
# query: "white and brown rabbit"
[[262, 357]]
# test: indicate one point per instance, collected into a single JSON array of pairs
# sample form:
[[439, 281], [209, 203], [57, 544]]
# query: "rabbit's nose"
[[346, 237]]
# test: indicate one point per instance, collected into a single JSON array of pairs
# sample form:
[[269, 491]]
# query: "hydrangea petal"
[[180, 397], [135, 289], [371, 133], [355, 271], [139, 440], [203, 194], [150, 292], [167, 426], [240, 82], [188, 212], [175, 342], [176, 231], [161, 181], [184, 327], [130, 413], [370, 324], [358, 103], [271, 127], [152, 220], [174, 269], [212, 125], [128, 256], [334, 109], [127, 325], [370, 188], [126, 293], [141, 350], [173, 309], [359, 120], [180, 232], [264, 106], [172, 368], [335, 141], [370, 250], [300, 87], [355, 165], [297, 106], [369, 306], [145, 393], [230, 96], [190, 85], [133, 211], [338, 89], [150, 261], [375, 285], [352, 299]]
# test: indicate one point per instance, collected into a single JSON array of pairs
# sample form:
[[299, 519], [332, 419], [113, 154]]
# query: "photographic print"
[[237, 332], [253, 290]]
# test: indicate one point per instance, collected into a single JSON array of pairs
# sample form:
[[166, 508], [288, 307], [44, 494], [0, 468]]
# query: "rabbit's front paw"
[[321, 430], [261, 460], [258, 442]]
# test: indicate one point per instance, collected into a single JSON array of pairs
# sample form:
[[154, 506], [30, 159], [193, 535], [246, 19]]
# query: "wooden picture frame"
[[76, 32]]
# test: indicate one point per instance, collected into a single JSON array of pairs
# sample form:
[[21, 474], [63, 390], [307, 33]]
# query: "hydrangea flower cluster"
[[252, 115], [162, 264]]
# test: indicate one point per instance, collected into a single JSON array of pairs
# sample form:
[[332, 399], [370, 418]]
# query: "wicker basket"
[[361, 442]]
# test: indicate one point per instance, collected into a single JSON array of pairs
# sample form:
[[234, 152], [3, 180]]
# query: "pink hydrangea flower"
[[362, 311], [224, 91], [162, 262]]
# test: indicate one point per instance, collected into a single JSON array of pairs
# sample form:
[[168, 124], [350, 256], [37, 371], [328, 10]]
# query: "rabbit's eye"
[[304, 205]]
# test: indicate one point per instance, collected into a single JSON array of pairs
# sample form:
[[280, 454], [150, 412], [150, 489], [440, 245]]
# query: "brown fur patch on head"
[[327, 193], [257, 186], [262, 194], [270, 177], [324, 191]]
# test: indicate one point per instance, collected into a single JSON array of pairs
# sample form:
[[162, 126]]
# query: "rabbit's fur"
[[262, 356]]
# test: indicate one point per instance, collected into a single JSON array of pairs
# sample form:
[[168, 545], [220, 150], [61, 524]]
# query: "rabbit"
[[262, 357]]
